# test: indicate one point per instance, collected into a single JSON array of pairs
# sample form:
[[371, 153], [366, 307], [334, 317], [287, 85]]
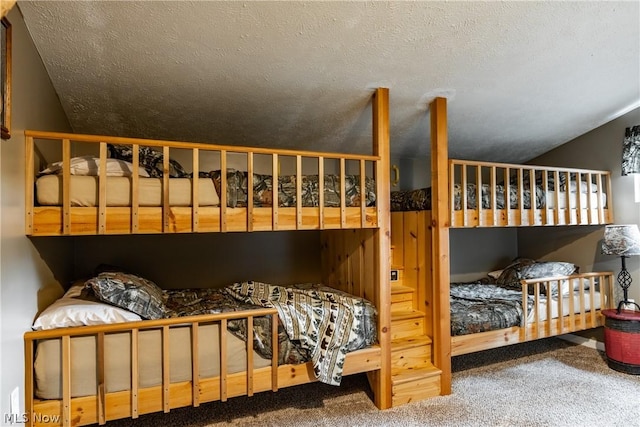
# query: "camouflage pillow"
[[524, 269], [131, 292]]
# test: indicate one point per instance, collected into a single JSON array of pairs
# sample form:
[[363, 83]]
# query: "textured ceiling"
[[520, 77]]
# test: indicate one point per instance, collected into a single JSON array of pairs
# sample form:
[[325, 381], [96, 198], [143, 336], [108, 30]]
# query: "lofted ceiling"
[[520, 77]]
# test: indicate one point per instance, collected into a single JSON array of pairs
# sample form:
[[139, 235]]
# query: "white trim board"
[[587, 342]]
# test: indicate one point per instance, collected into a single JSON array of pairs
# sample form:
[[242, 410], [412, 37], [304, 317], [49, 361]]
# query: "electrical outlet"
[[394, 275], [15, 401]]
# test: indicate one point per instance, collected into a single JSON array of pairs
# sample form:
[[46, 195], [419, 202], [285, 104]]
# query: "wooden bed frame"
[[420, 239], [579, 317], [355, 260]]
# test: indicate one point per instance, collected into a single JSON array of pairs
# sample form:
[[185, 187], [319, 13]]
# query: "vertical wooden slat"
[[250, 356], [572, 311], [166, 374], [66, 380], [464, 194], [276, 198], [195, 363], [549, 313], [321, 191], [589, 194], [134, 373], [492, 181], [28, 380], [298, 192], [166, 207], [102, 192], [536, 313], [567, 194], [507, 195], [440, 243], [479, 207], [223, 190], [66, 186], [545, 191], [363, 193], [223, 360], [556, 183], [29, 183], [452, 208], [592, 305], [250, 191], [195, 190], [274, 352], [135, 189], [578, 198], [609, 200], [520, 196], [343, 204], [532, 196], [601, 219], [101, 392], [525, 309]]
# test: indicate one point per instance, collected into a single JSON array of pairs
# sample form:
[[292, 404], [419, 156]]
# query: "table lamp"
[[624, 241]]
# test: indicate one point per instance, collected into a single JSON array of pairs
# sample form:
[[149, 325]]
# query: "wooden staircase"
[[413, 377]]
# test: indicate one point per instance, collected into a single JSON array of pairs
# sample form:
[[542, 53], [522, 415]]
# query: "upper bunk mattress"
[[84, 191], [416, 200]]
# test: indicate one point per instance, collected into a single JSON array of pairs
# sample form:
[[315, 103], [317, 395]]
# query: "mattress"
[[584, 199], [84, 191], [47, 367], [542, 306]]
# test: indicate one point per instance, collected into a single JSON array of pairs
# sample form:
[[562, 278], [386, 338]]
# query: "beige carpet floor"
[[549, 382]]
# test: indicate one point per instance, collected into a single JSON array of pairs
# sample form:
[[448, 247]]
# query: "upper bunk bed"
[[141, 189], [533, 197]]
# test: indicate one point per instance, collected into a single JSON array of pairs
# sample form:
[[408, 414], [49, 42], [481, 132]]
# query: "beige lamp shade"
[[621, 240]]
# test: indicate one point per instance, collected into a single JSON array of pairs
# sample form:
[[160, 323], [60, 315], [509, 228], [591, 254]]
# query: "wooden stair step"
[[407, 314], [407, 324], [404, 344], [412, 375], [410, 353], [415, 386]]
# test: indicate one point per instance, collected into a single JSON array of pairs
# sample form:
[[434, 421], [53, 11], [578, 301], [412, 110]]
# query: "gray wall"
[[206, 260], [27, 284], [598, 149]]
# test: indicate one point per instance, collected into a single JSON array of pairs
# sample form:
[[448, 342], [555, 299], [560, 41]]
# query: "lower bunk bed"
[[493, 312], [116, 346]]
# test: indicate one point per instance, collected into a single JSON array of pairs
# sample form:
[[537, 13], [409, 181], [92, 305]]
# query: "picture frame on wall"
[[5, 78]]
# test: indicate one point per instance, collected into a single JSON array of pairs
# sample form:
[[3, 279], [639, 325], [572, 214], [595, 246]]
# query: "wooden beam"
[[440, 242]]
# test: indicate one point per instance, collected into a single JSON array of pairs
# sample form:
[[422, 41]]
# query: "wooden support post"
[[440, 242], [383, 244]]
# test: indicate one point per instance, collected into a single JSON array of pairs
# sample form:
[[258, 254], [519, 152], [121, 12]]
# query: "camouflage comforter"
[[237, 184], [480, 307], [416, 200], [316, 323]]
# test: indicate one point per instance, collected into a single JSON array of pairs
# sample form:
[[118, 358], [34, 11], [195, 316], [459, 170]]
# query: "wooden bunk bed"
[[354, 235], [472, 194]]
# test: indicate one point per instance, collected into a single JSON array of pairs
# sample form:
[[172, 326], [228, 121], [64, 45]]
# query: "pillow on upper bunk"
[[149, 159], [76, 309], [90, 165], [525, 268], [130, 292]]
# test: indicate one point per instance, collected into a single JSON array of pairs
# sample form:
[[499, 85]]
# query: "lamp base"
[[622, 304]]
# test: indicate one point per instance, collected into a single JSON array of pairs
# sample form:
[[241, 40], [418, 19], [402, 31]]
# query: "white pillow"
[[71, 311], [494, 274], [90, 165]]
